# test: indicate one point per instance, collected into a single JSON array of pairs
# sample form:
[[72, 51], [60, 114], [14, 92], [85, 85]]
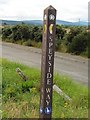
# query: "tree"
[[74, 31], [20, 32], [60, 32], [6, 32], [79, 43], [36, 33], [25, 32], [16, 32]]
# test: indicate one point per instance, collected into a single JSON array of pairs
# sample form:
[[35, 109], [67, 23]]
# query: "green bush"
[[20, 32], [66, 40], [28, 43], [6, 32], [79, 43], [57, 44]]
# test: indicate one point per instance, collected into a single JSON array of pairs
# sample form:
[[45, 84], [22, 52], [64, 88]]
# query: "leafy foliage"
[[6, 32], [79, 43], [68, 39], [20, 32]]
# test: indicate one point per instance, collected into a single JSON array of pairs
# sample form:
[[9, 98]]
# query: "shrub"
[[57, 44], [6, 32], [28, 43], [79, 43], [20, 32]]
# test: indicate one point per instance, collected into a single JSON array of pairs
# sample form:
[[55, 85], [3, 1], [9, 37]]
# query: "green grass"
[[21, 99]]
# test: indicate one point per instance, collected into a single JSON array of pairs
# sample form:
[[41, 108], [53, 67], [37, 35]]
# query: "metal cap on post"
[[48, 45]]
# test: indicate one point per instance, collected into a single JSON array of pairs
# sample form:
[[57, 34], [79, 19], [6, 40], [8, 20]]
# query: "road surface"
[[73, 66]]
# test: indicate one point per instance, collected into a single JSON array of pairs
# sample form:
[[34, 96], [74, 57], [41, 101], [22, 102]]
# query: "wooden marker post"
[[48, 45]]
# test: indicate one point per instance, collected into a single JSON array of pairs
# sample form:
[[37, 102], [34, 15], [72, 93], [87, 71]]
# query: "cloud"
[[3, 2], [33, 9]]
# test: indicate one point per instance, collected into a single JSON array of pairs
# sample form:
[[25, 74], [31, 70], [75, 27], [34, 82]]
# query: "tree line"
[[72, 39]]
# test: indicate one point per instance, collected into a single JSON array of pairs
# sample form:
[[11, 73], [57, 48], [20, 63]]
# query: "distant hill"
[[40, 22], [33, 22], [81, 23]]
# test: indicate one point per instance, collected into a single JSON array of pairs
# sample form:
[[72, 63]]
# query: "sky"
[[67, 10]]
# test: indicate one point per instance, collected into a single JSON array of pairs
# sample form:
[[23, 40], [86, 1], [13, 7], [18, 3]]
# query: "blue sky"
[[68, 10]]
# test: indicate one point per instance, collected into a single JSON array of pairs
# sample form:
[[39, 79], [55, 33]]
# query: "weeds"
[[21, 98]]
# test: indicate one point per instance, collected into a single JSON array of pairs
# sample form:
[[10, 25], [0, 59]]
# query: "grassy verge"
[[30, 43], [21, 99]]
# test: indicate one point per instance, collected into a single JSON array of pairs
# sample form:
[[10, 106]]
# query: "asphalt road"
[[73, 66]]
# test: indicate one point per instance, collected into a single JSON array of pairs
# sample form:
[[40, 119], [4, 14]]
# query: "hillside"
[[40, 22]]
